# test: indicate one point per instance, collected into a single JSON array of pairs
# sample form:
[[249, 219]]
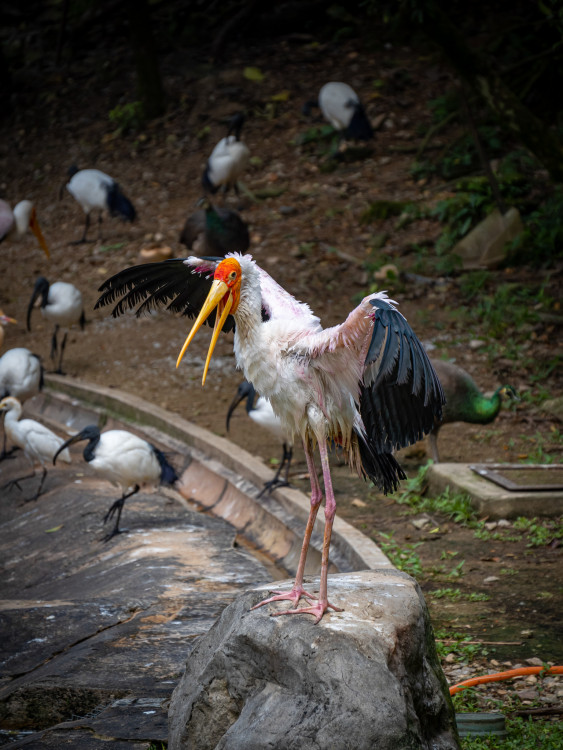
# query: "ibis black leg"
[[83, 239], [276, 481], [54, 343], [41, 482], [59, 369], [117, 507]]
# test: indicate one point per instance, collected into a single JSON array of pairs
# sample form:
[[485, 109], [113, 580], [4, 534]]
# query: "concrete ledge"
[[275, 524], [490, 499]]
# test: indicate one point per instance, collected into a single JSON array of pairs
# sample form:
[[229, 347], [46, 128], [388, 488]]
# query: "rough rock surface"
[[367, 677]]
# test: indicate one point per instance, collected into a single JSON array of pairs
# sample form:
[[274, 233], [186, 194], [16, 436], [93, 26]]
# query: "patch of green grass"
[[478, 596], [455, 505], [453, 595], [539, 533], [403, 556], [458, 644], [523, 734]]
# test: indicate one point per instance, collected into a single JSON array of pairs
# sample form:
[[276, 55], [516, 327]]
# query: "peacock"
[[214, 230], [464, 401]]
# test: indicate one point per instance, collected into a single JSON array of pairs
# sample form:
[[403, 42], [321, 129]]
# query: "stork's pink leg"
[[316, 497], [322, 604]]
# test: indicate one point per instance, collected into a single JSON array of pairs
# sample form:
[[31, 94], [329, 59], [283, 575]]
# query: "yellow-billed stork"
[[124, 459], [61, 304], [38, 443], [367, 384], [228, 160], [261, 412], [97, 191], [16, 222]]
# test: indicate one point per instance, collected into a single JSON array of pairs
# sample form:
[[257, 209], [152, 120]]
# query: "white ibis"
[[464, 400], [38, 443], [97, 191], [213, 230], [124, 459], [342, 107], [61, 304], [228, 160], [4, 320], [262, 413], [16, 222], [367, 384]]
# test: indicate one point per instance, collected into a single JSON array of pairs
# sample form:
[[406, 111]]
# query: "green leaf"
[[253, 74]]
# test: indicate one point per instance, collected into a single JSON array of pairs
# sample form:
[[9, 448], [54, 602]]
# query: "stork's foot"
[[317, 610], [292, 596]]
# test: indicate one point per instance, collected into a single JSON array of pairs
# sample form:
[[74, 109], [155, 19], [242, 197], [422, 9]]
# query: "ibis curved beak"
[[36, 229], [70, 441], [219, 297]]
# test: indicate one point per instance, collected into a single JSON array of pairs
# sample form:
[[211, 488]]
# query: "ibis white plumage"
[[366, 385], [97, 191], [38, 442], [21, 374], [62, 305], [228, 160], [342, 108], [124, 459], [261, 412], [17, 221]]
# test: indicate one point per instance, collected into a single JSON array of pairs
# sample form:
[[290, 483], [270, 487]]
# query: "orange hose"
[[498, 676]]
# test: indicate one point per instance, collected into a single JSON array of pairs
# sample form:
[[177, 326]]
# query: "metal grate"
[[523, 477]]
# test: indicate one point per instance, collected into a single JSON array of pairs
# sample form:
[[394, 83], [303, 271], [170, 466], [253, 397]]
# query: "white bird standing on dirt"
[[16, 222], [124, 459], [228, 160], [366, 385], [61, 304], [38, 443], [342, 108], [21, 376], [97, 191], [262, 414]]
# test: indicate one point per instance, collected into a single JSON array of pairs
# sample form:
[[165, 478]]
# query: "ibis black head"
[[72, 170], [41, 289], [244, 391], [90, 433], [235, 125]]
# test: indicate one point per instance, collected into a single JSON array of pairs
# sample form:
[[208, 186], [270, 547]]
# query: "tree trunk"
[[149, 82], [476, 69]]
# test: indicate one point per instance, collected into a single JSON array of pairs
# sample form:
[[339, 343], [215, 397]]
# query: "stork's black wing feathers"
[[401, 395], [169, 283]]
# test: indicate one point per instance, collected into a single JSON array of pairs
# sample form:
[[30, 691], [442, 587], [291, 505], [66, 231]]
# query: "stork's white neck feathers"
[[22, 216]]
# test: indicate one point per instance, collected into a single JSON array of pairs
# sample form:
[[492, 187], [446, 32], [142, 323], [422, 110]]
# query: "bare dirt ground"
[[306, 231]]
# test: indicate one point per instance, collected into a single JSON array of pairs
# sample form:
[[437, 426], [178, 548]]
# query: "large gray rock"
[[367, 677]]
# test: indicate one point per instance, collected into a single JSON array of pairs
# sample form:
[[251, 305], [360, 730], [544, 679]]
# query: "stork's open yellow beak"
[[36, 229], [219, 297]]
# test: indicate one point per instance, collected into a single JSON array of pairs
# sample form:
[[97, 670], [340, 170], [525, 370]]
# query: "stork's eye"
[[233, 276]]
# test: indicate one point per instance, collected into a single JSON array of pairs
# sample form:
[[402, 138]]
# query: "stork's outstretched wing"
[[178, 286], [400, 396]]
